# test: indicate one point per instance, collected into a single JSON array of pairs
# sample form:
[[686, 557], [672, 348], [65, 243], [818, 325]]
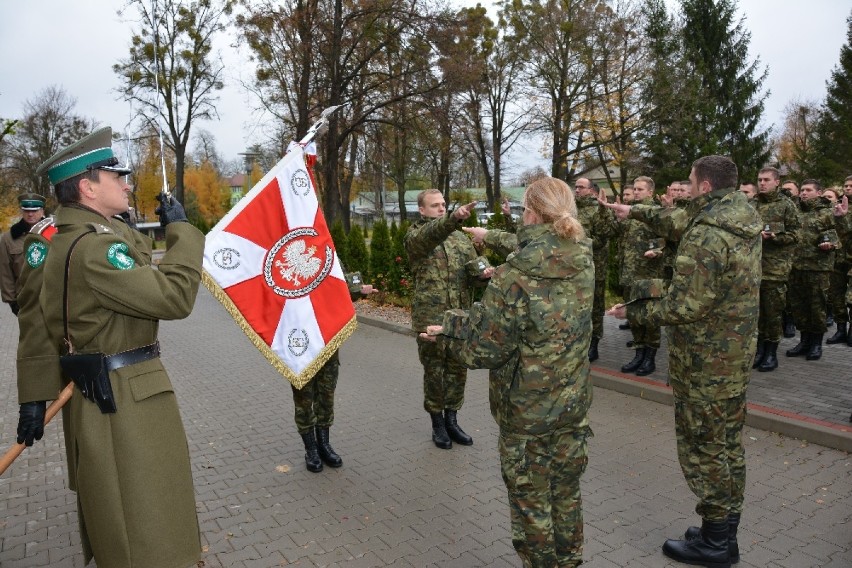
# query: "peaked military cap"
[[94, 152], [31, 201]]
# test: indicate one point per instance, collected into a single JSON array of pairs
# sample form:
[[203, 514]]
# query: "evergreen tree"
[[380, 254], [359, 258], [831, 160], [341, 244], [400, 273]]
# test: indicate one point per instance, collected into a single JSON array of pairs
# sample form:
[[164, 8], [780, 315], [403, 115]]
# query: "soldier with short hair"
[[711, 308], [12, 247], [840, 279]]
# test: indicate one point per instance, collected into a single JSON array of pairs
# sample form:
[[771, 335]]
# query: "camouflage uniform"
[[532, 330], [599, 224], [809, 279], [638, 238], [314, 402], [842, 266], [712, 307], [780, 214], [441, 257]]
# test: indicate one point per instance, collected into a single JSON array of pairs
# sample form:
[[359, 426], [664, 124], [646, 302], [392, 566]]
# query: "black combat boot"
[[770, 358], [455, 432], [439, 431], [840, 336], [635, 362], [649, 363], [829, 318], [312, 457], [593, 349], [733, 546], [761, 353], [710, 548], [815, 351], [625, 325], [326, 452], [789, 327], [802, 347]]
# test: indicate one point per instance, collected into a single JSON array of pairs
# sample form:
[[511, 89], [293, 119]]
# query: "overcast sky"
[[74, 44]]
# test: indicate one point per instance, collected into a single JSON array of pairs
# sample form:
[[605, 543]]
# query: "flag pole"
[[15, 451], [319, 126]]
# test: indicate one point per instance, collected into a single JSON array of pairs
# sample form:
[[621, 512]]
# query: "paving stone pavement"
[[398, 500]]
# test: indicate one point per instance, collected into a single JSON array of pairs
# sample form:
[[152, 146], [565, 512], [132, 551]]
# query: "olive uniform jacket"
[[131, 469], [12, 260], [533, 328]]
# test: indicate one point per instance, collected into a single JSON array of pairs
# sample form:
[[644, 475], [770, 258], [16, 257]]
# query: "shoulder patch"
[[101, 229], [117, 256], [36, 254]]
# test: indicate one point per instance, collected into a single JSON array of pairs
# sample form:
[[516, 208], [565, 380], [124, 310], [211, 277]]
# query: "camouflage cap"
[[94, 152], [31, 201]]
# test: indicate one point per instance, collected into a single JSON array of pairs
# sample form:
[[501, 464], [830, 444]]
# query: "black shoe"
[[312, 457], [625, 325], [648, 364], [593, 349], [840, 336], [455, 432], [789, 327], [761, 353], [439, 431], [829, 319], [733, 546], [710, 549], [629, 343], [635, 362], [326, 452], [802, 347], [770, 357], [815, 351]]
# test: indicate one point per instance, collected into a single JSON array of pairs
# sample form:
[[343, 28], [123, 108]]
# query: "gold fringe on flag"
[[308, 373]]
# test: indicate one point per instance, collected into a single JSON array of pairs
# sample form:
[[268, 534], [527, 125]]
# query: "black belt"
[[132, 356]]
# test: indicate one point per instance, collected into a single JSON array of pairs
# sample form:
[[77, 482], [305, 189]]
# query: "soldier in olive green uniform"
[[813, 262], [314, 403], [532, 329], [12, 247], [780, 235], [130, 467], [639, 262], [712, 307], [599, 225], [842, 267], [445, 268]]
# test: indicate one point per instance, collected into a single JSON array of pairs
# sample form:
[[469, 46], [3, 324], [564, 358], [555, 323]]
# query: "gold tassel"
[[308, 372]]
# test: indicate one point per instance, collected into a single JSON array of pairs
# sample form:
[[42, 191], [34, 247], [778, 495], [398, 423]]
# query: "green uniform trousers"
[[837, 292], [644, 335], [314, 402], [773, 300], [444, 377], [809, 297], [598, 308], [542, 476], [711, 453]]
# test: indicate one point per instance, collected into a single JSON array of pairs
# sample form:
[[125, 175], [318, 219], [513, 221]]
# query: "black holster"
[[89, 372]]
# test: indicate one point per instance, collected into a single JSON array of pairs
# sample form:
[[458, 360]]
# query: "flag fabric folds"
[[271, 262]]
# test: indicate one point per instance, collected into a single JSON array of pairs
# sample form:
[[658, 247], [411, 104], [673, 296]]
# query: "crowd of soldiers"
[[805, 281]]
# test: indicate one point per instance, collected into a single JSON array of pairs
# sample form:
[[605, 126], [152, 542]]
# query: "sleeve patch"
[[36, 254], [116, 255]]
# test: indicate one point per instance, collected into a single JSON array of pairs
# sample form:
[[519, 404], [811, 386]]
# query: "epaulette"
[[101, 229], [45, 228]]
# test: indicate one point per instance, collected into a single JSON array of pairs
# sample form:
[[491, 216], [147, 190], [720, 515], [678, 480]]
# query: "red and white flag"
[[272, 264]]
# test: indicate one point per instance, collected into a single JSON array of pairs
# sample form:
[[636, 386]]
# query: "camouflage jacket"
[[440, 257], [843, 226], [533, 328], [668, 223], [817, 225], [780, 214], [712, 301], [599, 224], [637, 239]]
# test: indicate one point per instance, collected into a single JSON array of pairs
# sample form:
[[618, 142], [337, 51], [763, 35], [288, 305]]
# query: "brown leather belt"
[[132, 356]]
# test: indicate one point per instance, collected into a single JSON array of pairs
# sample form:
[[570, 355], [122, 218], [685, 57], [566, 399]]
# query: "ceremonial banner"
[[272, 264]]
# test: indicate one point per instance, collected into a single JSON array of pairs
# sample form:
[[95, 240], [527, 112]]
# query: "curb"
[[821, 432]]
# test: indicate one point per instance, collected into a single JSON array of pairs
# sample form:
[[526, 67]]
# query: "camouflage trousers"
[[838, 284], [542, 476], [773, 300], [444, 377], [314, 402], [598, 308], [711, 453], [808, 298], [644, 335]]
